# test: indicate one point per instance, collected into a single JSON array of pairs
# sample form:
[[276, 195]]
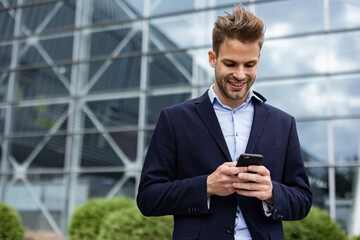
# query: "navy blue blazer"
[[188, 145]]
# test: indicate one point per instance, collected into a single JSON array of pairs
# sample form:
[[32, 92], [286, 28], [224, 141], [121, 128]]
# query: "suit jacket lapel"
[[206, 112], [260, 115]]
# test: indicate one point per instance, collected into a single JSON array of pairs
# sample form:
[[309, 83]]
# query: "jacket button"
[[230, 230]]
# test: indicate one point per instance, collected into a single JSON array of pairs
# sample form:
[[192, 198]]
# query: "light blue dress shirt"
[[236, 126]]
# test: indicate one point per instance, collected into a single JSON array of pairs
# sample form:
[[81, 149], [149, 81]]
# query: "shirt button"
[[236, 134], [234, 111]]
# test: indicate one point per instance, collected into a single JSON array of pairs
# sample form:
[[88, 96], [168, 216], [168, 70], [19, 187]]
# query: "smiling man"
[[190, 168]]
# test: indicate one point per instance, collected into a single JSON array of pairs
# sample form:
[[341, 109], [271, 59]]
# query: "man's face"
[[235, 70]]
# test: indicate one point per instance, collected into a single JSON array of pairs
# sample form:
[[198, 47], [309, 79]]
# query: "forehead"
[[237, 50]]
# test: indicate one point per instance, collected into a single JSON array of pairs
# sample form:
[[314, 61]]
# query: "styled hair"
[[242, 25]]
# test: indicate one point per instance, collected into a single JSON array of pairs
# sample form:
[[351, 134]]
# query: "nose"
[[239, 74]]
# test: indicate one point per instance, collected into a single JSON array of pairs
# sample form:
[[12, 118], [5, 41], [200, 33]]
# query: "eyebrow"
[[233, 61]]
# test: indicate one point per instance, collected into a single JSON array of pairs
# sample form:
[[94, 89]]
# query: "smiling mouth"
[[237, 85]]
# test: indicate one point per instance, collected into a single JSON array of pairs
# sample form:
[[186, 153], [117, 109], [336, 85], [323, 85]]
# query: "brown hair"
[[242, 25]]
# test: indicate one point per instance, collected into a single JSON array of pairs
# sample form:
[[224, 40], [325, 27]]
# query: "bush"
[[131, 224], [316, 226], [10, 224], [86, 220]]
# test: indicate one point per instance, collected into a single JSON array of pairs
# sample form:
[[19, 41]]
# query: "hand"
[[257, 184], [221, 181]]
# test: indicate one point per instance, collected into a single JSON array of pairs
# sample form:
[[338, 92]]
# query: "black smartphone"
[[247, 159]]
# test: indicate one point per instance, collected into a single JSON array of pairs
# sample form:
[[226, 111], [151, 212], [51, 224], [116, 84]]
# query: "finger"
[[262, 170]]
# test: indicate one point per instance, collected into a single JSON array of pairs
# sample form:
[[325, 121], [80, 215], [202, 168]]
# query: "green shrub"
[[131, 224], [316, 226], [86, 220], [10, 224]]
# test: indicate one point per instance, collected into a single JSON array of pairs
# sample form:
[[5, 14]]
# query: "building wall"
[[82, 83]]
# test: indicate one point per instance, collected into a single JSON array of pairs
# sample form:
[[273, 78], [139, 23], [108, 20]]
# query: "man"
[[190, 171]]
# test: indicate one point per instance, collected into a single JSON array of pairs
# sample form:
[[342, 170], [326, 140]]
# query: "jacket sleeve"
[[292, 196], [160, 191]]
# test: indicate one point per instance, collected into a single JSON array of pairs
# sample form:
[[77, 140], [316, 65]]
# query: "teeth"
[[237, 84]]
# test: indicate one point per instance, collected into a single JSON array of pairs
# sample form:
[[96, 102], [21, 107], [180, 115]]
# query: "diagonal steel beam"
[[171, 57], [106, 135], [107, 63], [126, 9], [42, 207], [49, 61], [45, 140], [48, 17]]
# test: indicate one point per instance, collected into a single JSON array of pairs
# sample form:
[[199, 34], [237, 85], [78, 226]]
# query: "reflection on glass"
[[43, 82], [313, 141], [343, 52], [302, 99], [40, 118], [113, 75], [344, 14], [319, 185], [156, 103], [38, 199], [114, 113], [171, 32], [295, 56], [346, 185], [347, 140], [290, 17], [345, 95], [51, 15], [38, 152], [170, 69]]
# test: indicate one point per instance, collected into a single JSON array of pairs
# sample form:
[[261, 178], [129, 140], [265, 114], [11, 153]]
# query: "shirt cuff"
[[268, 208]]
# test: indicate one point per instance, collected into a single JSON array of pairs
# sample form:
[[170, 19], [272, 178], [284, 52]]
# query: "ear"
[[212, 58]]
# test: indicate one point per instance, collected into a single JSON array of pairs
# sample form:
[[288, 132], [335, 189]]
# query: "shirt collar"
[[213, 96]]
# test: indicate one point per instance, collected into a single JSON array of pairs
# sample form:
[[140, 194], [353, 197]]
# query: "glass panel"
[[171, 32], [38, 199], [40, 118], [3, 87], [43, 82], [344, 14], [5, 56], [100, 185], [319, 184], [204, 72], [156, 103], [114, 75], [297, 56], [346, 179], [39, 152], [344, 52], [7, 23], [108, 149], [45, 51], [347, 140], [114, 41], [2, 122], [345, 95], [110, 10], [170, 69], [47, 16], [115, 113], [290, 17], [313, 140], [304, 99], [165, 6]]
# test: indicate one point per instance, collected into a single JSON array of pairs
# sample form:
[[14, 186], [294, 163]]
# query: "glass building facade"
[[82, 83]]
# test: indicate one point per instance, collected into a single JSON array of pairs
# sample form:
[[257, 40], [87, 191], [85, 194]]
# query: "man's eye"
[[250, 65], [230, 64]]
